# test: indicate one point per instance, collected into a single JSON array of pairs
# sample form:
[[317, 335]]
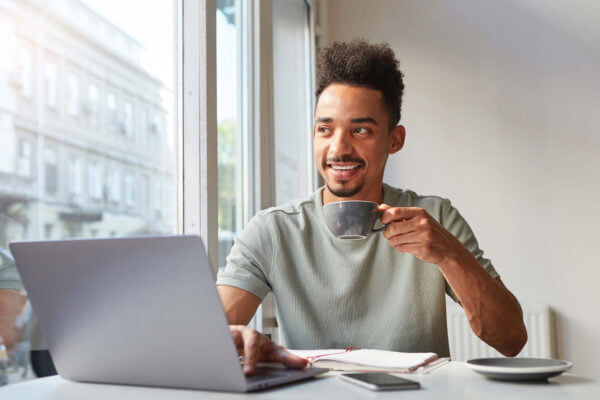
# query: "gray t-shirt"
[[333, 293]]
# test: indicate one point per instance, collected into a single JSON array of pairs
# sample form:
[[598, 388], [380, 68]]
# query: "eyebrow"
[[361, 120]]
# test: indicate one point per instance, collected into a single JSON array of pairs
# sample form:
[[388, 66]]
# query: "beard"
[[345, 192]]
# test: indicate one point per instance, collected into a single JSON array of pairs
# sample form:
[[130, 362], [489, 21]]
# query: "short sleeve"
[[9, 276], [249, 261], [458, 226]]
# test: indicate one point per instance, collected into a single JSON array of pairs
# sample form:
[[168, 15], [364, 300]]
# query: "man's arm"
[[493, 312], [11, 306], [240, 306]]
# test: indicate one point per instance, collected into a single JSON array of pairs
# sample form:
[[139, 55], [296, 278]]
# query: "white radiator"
[[464, 345]]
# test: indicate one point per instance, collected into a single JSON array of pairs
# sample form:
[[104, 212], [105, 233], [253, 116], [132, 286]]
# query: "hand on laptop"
[[255, 347]]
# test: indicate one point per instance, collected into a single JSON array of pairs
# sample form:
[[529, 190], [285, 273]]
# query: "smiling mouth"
[[344, 167], [343, 163]]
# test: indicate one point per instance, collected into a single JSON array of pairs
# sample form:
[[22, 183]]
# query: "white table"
[[452, 381]]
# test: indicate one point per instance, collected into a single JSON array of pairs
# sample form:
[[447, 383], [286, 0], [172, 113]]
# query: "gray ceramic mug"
[[353, 219]]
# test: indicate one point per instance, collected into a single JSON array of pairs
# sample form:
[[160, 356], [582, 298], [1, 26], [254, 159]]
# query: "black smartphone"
[[380, 381]]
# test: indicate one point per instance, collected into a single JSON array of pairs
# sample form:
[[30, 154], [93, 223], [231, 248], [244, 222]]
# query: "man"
[[388, 290], [12, 301]]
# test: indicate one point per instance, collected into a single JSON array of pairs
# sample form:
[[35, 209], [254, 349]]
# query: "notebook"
[[368, 360], [137, 311]]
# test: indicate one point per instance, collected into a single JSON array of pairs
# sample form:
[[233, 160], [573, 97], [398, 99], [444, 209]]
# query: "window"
[[114, 186], [50, 171], [24, 159], [128, 119], [73, 95], [254, 129], [48, 231], [50, 83], [95, 181], [75, 179], [129, 190], [292, 100], [156, 125], [24, 72], [157, 199], [93, 54], [230, 197], [112, 115], [144, 192], [143, 124], [92, 105]]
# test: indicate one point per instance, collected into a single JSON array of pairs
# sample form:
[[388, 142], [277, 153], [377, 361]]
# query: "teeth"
[[344, 167]]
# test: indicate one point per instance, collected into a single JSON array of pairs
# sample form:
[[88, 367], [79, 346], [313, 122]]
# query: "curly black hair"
[[360, 63]]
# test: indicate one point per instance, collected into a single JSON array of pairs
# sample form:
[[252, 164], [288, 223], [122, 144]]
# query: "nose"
[[340, 144]]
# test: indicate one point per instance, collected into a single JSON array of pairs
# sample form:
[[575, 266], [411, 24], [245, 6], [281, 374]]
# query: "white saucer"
[[519, 369]]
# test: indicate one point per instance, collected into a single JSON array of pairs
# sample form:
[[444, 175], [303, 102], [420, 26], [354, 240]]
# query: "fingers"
[[251, 345], [257, 347], [422, 226], [288, 359], [396, 238], [412, 230], [384, 207], [394, 214], [246, 342], [237, 336]]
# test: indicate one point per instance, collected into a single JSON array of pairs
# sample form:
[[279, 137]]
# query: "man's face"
[[352, 141]]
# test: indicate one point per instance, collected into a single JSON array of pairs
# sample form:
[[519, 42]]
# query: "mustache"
[[332, 160]]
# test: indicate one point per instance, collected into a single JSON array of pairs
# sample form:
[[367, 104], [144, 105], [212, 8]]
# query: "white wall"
[[499, 109]]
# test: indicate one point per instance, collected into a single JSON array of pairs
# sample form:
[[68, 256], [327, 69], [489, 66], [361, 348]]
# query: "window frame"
[[197, 111], [196, 116]]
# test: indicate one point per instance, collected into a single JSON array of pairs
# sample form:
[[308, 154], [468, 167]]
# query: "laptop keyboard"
[[267, 373]]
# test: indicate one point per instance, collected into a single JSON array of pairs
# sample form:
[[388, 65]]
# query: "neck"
[[375, 196]]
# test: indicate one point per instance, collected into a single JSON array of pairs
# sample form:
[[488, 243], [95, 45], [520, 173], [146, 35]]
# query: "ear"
[[398, 134]]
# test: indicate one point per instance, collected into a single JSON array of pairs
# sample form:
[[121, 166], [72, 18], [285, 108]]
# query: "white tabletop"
[[452, 381]]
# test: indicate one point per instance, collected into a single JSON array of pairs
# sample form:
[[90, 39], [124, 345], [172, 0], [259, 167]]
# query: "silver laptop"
[[136, 311]]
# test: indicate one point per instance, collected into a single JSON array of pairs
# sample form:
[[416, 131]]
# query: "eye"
[[361, 130], [323, 130]]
